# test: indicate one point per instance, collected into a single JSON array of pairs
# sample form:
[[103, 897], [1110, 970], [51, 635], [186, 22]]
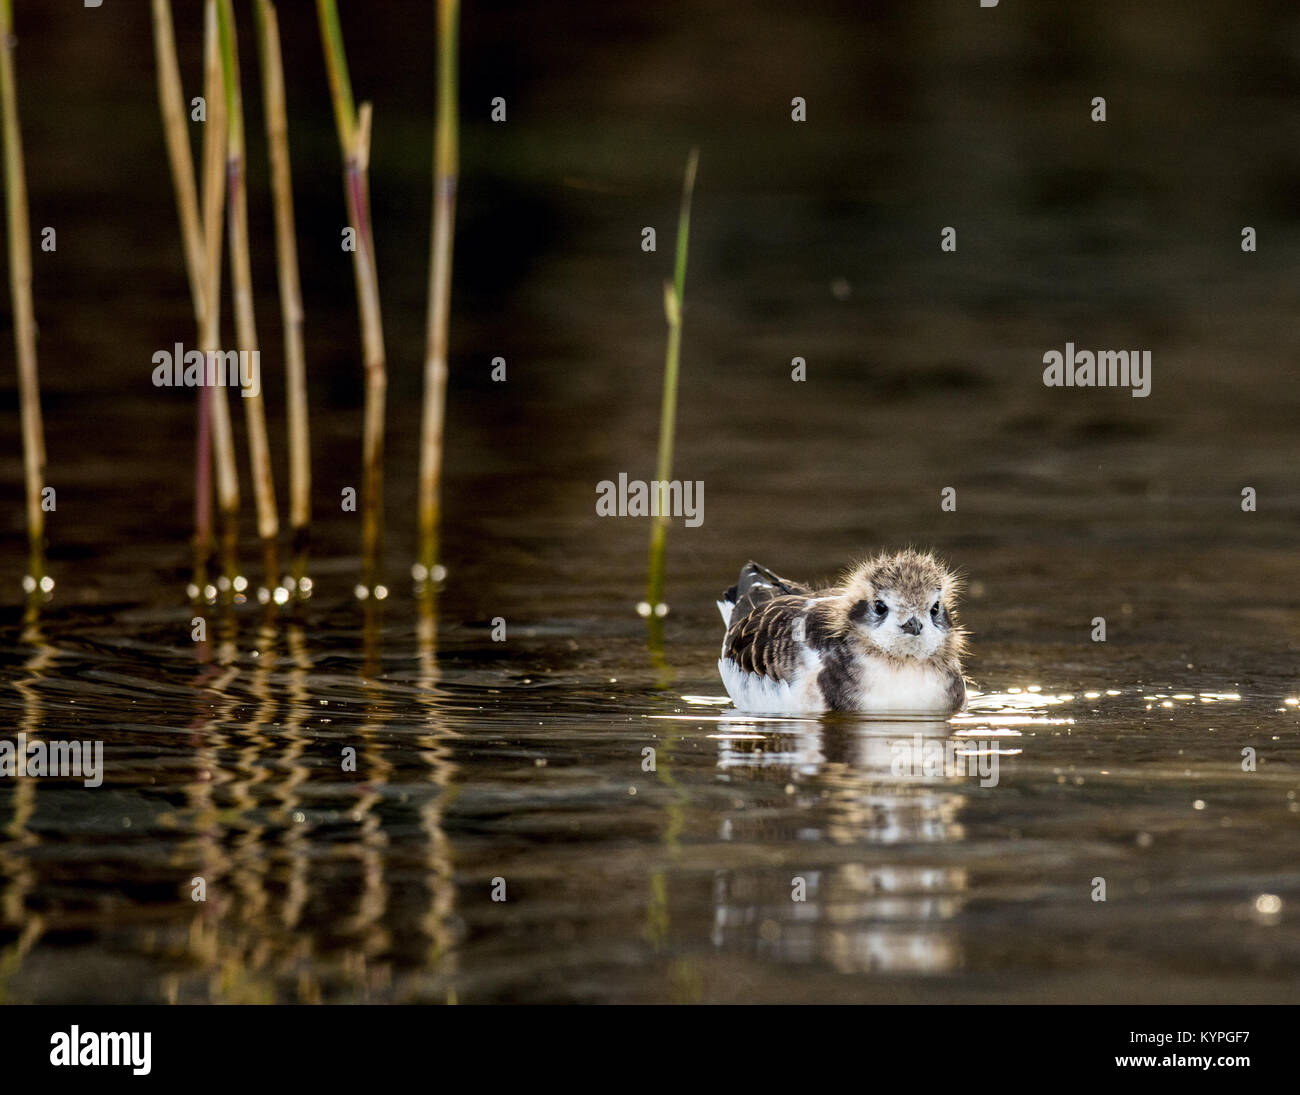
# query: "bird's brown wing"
[[768, 638]]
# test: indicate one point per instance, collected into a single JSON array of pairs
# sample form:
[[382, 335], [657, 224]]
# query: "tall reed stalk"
[[214, 193], [171, 102], [20, 286], [354, 144], [445, 170], [286, 249], [674, 299], [241, 282]]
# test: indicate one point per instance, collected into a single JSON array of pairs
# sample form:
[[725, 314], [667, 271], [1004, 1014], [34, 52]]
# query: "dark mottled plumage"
[[763, 636]]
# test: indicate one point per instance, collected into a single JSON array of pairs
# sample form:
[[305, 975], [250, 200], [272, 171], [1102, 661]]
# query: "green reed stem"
[[171, 103], [336, 61], [354, 144], [213, 203], [445, 170], [674, 300], [241, 284], [286, 248]]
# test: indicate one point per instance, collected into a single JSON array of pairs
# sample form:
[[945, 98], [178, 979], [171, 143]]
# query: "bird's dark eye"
[[880, 607]]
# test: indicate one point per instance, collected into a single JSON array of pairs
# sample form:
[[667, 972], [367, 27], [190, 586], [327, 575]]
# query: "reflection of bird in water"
[[883, 640], [880, 892]]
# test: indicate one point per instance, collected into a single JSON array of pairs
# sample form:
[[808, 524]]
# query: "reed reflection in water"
[[256, 838]]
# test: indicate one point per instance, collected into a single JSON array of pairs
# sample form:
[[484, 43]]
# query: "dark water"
[[1118, 763]]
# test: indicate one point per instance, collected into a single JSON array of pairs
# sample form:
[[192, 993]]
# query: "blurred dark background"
[[818, 240]]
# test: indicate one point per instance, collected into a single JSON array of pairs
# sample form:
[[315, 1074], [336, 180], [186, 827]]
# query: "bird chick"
[[883, 640]]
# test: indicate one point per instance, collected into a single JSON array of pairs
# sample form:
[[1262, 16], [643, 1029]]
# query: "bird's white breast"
[[902, 687]]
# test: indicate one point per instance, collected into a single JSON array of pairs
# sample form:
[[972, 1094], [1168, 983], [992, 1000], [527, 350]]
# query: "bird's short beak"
[[913, 626]]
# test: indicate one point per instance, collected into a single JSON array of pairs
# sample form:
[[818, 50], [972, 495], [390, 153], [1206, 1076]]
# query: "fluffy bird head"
[[904, 606]]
